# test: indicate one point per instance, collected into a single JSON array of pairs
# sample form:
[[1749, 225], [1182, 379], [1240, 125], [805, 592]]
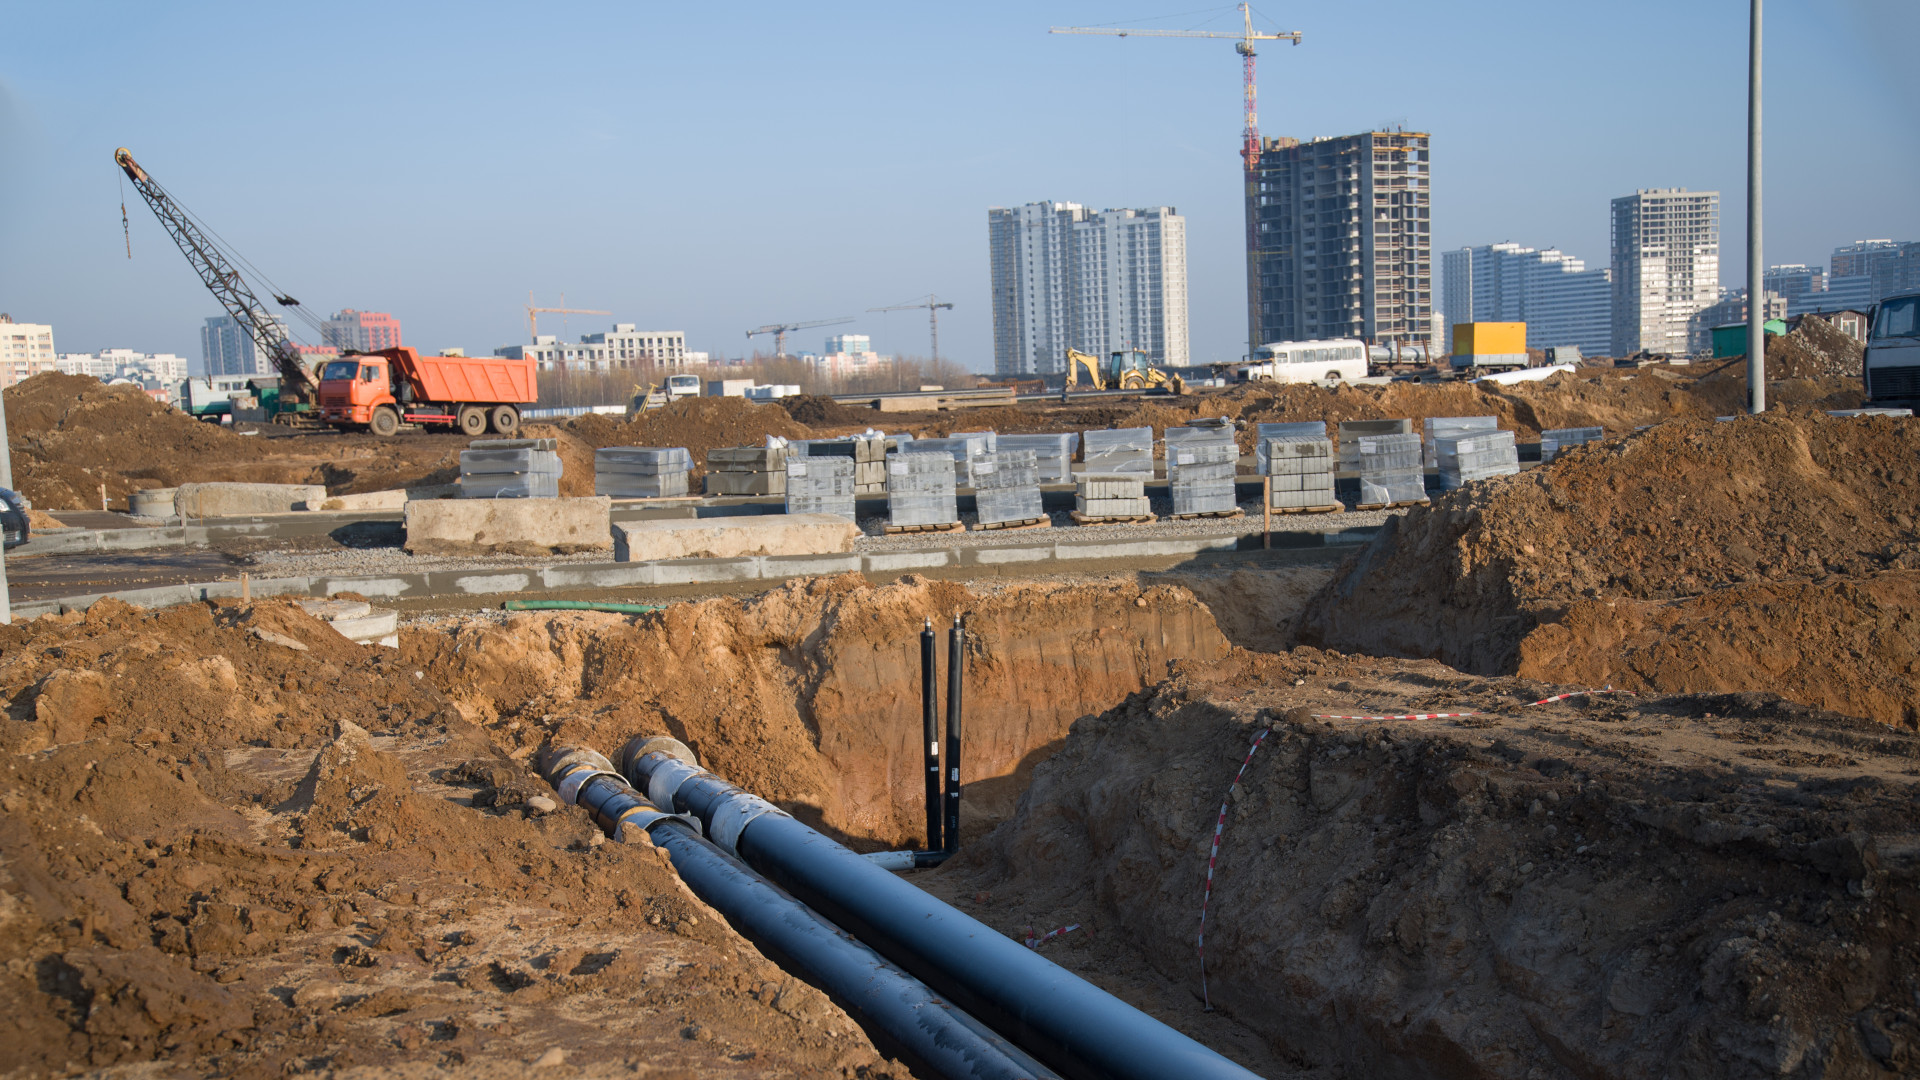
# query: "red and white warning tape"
[[1220, 823], [1032, 942]]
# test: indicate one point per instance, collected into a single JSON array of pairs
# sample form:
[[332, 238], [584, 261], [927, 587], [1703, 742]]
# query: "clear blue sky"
[[712, 168]]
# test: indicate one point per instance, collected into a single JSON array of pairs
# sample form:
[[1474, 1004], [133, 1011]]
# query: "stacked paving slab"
[[1298, 459], [641, 472], [920, 490], [1476, 456], [1352, 431], [747, 470], [1111, 495], [358, 621], [962, 448], [1435, 428], [1201, 463], [1390, 469], [867, 452], [1053, 454], [1555, 440], [820, 485], [1118, 450], [510, 469], [1006, 486]]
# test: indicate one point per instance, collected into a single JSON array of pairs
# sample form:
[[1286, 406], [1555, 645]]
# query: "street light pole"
[[1756, 265]]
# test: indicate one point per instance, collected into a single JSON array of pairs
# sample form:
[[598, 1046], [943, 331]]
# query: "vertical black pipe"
[[930, 724], [956, 670]]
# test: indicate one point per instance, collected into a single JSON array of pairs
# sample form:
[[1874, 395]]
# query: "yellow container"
[[1489, 338]]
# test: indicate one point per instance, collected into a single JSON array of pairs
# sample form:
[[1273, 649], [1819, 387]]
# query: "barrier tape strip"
[[1220, 823], [1032, 942]]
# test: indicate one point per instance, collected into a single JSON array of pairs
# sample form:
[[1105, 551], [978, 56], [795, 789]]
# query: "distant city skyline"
[[442, 237]]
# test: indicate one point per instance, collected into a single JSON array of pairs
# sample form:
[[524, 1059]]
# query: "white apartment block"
[[1666, 267], [1067, 277], [152, 370], [26, 350], [623, 347], [1560, 300]]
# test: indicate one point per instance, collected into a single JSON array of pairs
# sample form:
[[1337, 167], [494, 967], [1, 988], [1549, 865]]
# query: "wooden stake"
[[1266, 512], [246, 588], [103, 496]]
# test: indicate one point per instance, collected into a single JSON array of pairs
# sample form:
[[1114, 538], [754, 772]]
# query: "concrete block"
[[151, 502], [898, 561], [746, 483], [735, 537], [394, 499], [513, 526], [243, 500]]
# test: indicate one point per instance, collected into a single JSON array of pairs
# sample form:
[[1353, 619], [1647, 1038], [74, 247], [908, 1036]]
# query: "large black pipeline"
[[956, 669], [930, 729], [932, 1034], [1065, 1021]]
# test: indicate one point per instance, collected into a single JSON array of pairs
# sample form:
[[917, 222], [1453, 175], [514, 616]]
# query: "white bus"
[[1335, 361]]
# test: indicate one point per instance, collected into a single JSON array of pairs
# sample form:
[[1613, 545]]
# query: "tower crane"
[[298, 389], [933, 304], [780, 331], [1250, 147], [534, 313]]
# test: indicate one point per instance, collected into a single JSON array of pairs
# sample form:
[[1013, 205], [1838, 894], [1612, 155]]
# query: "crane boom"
[[780, 331], [933, 304], [225, 283]]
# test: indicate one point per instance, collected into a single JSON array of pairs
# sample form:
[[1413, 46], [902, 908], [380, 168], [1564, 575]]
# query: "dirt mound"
[[1813, 349], [699, 424], [576, 459], [1673, 515], [809, 695], [1692, 886], [815, 411], [249, 855]]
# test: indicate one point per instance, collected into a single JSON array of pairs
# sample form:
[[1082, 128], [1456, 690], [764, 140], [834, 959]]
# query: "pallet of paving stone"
[[1013, 526], [1137, 519], [1331, 508], [1233, 513], [1391, 505], [940, 527]]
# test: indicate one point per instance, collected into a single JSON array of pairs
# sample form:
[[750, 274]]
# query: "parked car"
[[13, 518]]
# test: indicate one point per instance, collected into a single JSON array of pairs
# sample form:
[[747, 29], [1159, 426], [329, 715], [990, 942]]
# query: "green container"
[[1730, 340]]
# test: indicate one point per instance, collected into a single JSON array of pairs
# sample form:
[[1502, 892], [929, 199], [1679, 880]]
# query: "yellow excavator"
[[1127, 369]]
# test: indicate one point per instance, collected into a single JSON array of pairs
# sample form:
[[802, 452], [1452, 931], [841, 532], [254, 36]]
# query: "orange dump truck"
[[379, 391]]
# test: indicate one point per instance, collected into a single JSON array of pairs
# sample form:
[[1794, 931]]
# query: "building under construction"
[[1339, 240]]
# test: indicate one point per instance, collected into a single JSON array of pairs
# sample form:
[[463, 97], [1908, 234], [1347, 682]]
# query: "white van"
[[1334, 361], [1893, 352]]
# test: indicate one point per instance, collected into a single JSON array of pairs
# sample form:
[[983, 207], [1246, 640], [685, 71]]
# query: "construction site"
[[1606, 764]]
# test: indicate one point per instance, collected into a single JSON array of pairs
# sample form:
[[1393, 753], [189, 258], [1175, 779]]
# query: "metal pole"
[[6, 481], [956, 671], [1756, 264], [930, 730]]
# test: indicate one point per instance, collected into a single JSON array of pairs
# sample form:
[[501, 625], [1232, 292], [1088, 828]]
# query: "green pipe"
[[577, 605]]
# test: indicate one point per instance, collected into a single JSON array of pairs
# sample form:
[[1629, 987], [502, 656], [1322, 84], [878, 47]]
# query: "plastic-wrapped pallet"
[[962, 449], [1299, 470], [1006, 486], [1390, 470], [513, 472], [1053, 454], [1264, 433], [920, 490], [1118, 450], [641, 472], [1555, 440], [820, 486], [747, 470], [1352, 431], [1440, 427], [1476, 456], [1111, 495], [1201, 463]]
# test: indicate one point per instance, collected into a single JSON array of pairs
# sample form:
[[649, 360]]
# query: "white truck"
[[1892, 372]]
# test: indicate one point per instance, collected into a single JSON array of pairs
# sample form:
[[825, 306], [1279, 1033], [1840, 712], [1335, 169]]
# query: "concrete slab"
[[731, 538], [243, 500], [511, 526], [893, 562], [390, 499]]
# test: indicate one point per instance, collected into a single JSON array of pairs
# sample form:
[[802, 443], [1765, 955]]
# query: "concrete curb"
[[677, 572]]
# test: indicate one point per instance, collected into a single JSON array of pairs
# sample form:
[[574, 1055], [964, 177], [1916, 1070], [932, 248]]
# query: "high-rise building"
[[1340, 238], [1794, 282], [361, 331], [623, 347], [1730, 308], [850, 344], [1067, 277], [1666, 267], [1888, 267], [26, 350], [228, 348], [1561, 301]]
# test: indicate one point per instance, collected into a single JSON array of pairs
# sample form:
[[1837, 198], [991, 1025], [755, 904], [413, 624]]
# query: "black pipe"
[[956, 670], [930, 730], [1080, 1030], [934, 1036]]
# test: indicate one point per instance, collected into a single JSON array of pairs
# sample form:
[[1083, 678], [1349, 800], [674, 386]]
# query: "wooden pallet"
[[904, 530], [1392, 505], [1330, 508], [1137, 519], [1014, 526], [1233, 513]]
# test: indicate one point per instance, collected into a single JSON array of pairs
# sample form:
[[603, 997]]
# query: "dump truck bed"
[[485, 380]]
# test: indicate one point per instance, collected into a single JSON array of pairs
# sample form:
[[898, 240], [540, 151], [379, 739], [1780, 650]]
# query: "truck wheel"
[[506, 420], [385, 421], [473, 420]]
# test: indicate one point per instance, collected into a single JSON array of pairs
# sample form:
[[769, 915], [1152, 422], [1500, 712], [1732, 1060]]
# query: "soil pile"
[[1689, 886], [699, 424], [238, 844], [1813, 349], [809, 695], [1767, 553]]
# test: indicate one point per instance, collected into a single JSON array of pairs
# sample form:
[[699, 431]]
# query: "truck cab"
[[679, 386], [352, 387], [1892, 370]]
